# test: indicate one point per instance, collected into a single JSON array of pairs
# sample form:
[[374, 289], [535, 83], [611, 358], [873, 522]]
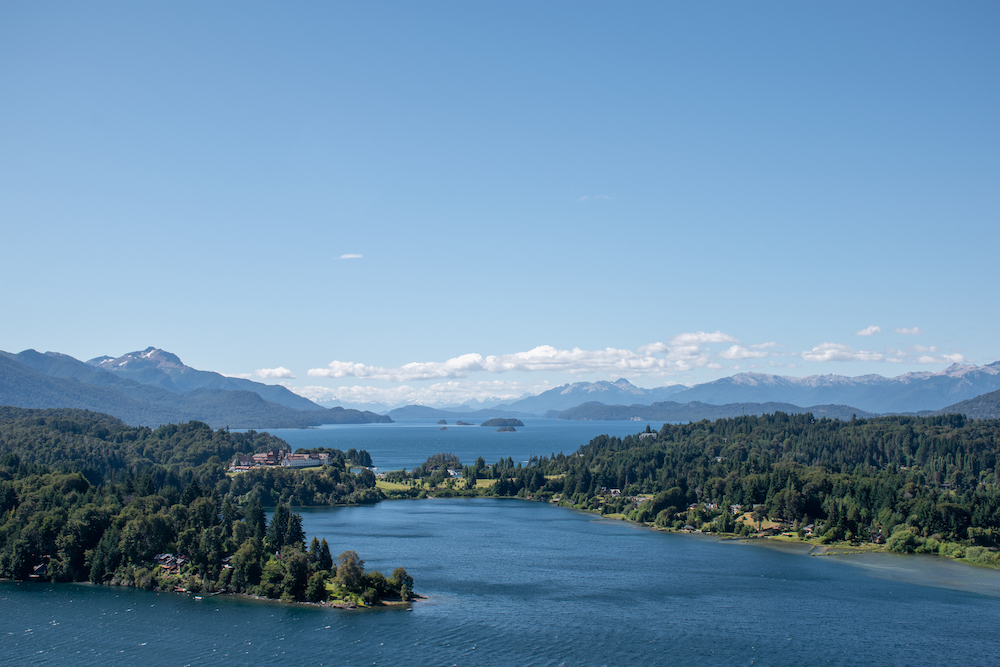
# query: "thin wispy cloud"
[[683, 353], [869, 331], [920, 354], [838, 352], [350, 256], [737, 352], [274, 373], [915, 331]]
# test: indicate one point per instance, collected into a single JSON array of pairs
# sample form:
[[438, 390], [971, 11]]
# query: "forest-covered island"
[[84, 497]]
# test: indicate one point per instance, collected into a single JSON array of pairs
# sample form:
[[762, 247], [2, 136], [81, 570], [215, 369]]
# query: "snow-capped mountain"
[[911, 392]]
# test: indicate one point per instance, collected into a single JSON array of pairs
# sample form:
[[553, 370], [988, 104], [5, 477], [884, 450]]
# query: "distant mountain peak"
[[151, 357]]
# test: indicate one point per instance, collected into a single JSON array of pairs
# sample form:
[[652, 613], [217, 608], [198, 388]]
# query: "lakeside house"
[[306, 460], [278, 457], [170, 562]]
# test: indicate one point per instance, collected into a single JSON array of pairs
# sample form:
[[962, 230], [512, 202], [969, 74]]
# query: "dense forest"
[[927, 484], [83, 496]]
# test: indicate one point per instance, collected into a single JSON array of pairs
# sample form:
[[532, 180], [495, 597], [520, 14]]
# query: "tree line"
[[913, 483]]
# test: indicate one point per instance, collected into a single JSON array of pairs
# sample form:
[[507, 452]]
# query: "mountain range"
[[670, 411], [570, 395], [911, 392], [153, 387]]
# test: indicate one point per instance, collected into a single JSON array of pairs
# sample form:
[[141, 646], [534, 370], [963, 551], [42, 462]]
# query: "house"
[[301, 461], [242, 462], [735, 509], [643, 436]]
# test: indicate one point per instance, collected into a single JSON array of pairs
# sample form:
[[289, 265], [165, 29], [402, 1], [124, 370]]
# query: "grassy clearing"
[[390, 486], [747, 517]]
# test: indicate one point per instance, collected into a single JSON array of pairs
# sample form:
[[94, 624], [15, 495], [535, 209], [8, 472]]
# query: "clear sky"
[[410, 199]]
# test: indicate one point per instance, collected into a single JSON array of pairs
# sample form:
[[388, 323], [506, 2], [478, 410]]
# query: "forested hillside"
[[914, 483], [57, 381], [986, 406], [85, 496], [669, 411]]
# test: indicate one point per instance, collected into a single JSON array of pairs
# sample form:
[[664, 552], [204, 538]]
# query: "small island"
[[443, 428], [500, 421], [506, 429], [462, 423], [443, 422]]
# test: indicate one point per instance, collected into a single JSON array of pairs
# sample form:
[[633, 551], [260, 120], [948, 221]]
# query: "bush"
[[980, 555], [902, 541]]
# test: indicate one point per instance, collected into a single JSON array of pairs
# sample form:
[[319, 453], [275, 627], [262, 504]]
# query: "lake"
[[511, 582], [408, 444]]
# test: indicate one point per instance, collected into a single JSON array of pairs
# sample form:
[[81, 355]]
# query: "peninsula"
[[84, 497]]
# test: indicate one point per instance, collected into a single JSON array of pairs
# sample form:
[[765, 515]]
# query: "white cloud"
[[350, 256], [273, 373], [242, 376], [737, 352], [439, 393], [838, 352], [919, 354], [765, 346], [684, 352], [915, 331], [869, 331]]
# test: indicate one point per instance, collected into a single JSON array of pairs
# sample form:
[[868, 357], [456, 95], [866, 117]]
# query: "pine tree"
[[324, 559]]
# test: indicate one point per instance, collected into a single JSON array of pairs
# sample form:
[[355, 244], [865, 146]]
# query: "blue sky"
[[657, 186]]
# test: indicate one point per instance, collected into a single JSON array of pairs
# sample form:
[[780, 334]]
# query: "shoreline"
[[244, 597], [831, 549]]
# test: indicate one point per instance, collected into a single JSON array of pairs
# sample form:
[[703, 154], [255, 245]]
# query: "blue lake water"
[[408, 444], [511, 582]]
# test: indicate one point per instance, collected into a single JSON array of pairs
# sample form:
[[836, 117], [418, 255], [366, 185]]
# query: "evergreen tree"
[[255, 518], [324, 559], [277, 529], [294, 534]]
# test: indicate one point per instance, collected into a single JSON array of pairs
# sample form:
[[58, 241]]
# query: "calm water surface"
[[408, 444], [511, 582]]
